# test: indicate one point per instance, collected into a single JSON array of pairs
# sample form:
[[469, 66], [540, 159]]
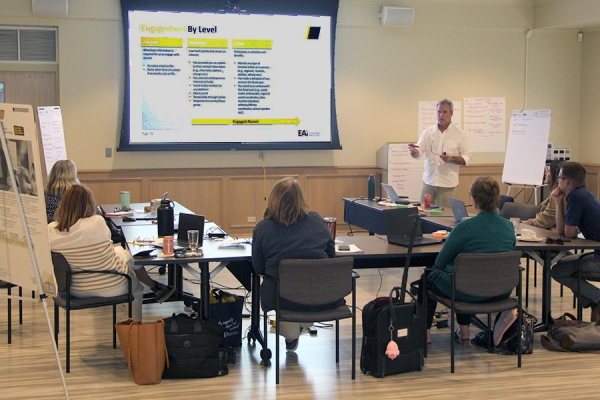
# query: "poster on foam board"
[[16, 263]]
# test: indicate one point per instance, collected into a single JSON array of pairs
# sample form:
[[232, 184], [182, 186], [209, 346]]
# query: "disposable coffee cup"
[[331, 224], [527, 234], [125, 200], [154, 204]]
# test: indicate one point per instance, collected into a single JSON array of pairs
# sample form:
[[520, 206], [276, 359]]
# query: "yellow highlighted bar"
[[208, 43], [251, 44], [161, 42], [245, 121]]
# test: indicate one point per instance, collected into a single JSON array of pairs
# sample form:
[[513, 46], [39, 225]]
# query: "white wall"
[[454, 49]]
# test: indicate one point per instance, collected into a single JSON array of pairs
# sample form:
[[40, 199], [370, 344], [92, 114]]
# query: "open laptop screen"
[[189, 222]]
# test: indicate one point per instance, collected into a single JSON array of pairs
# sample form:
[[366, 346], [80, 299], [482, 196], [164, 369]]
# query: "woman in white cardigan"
[[85, 241]]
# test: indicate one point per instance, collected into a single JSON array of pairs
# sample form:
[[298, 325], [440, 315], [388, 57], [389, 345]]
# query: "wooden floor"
[[29, 370]]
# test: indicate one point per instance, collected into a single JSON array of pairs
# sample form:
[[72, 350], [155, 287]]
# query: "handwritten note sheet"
[[53, 137], [526, 149], [485, 123]]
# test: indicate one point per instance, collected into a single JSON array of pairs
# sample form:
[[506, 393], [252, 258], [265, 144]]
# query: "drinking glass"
[[516, 223], [193, 237]]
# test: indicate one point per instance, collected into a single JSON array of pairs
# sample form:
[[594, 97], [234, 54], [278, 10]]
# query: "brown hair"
[[486, 193], [574, 172], [62, 176], [77, 203], [286, 204]]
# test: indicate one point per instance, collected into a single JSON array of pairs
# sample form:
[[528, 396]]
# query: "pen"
[[413, 145]]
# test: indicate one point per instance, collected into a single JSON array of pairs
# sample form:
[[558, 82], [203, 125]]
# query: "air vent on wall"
[[24, 44]]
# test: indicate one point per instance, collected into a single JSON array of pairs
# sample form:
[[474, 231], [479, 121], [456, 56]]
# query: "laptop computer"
[[459, 210], [187, 222], [393, 196], [399, 223]]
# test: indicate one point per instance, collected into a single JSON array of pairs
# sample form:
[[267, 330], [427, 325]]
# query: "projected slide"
[[207, 78]]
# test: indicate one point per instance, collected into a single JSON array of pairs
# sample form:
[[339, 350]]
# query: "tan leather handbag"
[[144, 349]]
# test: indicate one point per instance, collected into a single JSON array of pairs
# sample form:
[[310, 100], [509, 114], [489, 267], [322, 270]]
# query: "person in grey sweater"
[[289, 230]]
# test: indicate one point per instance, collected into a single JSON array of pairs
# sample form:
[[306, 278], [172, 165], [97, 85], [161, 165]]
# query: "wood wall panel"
[[107, 191], [247, 199], [199, 194], [228, 196], [324, 193]]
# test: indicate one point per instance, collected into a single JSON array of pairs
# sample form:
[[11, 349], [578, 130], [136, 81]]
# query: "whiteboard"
[[525, 158], [52, 134]]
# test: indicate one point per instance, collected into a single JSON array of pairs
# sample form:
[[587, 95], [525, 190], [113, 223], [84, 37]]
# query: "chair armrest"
[[100, 272], [355, 275], [129, 284]]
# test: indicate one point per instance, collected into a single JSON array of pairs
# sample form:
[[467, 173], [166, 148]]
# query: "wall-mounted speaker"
[[397, 16], [51, 8]]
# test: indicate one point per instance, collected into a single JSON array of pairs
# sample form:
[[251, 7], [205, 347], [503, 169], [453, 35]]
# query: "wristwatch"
[[453, 161]]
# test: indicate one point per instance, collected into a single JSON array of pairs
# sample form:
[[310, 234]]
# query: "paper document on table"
[[237, 243], [351, 248], [119, 214]]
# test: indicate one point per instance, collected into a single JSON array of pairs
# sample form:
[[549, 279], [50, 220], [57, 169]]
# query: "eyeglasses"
[[140, 241], [559, 241], [547, 168], [560, 177], [470, 193], [434, 152]]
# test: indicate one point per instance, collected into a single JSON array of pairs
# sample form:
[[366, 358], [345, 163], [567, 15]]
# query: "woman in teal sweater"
[[485, 233]]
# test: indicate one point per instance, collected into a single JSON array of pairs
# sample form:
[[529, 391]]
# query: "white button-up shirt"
[[432, 143]]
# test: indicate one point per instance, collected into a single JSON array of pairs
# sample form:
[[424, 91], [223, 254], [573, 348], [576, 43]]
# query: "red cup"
[[427, 201], [331, 225]]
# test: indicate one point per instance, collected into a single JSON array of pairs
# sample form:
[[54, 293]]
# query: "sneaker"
[[292, 346], [162, 292]]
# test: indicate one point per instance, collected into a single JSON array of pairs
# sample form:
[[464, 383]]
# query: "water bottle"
[[371, 182], [165, 218]]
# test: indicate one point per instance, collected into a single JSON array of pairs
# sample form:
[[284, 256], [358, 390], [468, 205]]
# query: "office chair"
[[483, 275], [505, 199], [64, 299], [316, 282]]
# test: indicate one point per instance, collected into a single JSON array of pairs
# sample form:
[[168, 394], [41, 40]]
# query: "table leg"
[[546, 293], [204, 290], [255, 333]]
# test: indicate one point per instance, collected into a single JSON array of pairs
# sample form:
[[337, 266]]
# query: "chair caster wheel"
[[162, 270], [265, 355]]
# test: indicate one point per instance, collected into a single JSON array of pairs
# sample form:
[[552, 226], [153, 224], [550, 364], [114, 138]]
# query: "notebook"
[[187, 222], [393, 196], [459, 210], [399, 223]]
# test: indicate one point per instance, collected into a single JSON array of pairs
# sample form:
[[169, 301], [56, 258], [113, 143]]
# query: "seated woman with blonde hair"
[[62, 176], [85, 241], [289, 230]]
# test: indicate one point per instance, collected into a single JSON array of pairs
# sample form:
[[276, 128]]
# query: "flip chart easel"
[[525, 158]]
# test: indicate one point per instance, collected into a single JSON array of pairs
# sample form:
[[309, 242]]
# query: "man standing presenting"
[[445, 147], [582, 214]]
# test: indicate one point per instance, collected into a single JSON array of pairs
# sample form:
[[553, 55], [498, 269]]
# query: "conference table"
[[375, 252], [368, 215]]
